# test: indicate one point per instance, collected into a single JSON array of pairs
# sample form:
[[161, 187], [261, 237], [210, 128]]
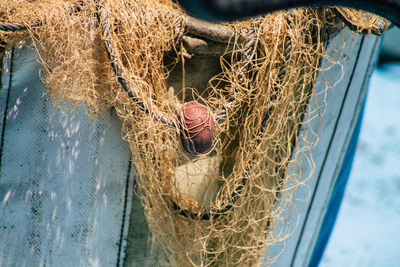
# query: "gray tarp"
[[63, 179]]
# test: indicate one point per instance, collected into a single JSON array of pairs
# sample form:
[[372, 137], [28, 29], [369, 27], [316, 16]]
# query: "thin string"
[[118, 69], [247, 56]]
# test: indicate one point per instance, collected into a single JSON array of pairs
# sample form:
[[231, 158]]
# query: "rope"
[[381, 24], [17, 26], [247, 56], [249, 52], [119, 70], [12, 27]]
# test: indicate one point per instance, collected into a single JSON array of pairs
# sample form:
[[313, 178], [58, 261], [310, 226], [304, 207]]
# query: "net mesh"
[[249, 152], [363, 22]]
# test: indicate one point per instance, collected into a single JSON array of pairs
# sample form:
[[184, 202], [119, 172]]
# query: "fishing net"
[[218, 208], [363, 22]]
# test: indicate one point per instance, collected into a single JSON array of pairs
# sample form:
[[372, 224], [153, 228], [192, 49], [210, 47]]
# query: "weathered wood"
[[199, 46], [335, 124], [209, 31], [198, 71], [355, 98], [139, 251]]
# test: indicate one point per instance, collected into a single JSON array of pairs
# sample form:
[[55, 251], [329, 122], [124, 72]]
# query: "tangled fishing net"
[[218, 208]]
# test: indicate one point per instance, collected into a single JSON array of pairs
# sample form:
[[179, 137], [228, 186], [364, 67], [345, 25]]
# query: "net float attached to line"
[[197, 130]]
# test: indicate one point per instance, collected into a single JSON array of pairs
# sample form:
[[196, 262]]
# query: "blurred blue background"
[[366, 231]]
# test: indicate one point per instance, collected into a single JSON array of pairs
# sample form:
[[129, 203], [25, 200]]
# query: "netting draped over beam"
[[258, 94]]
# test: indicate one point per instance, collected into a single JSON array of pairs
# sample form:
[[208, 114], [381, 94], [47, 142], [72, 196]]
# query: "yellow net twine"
[[78, 71]]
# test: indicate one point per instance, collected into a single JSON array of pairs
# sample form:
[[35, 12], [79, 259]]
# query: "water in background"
[[367, 230]]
